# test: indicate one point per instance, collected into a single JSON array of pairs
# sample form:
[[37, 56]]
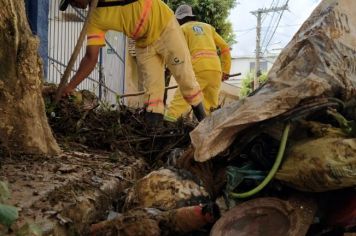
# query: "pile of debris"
[[294, 139], [280, 162], [276, 159], [182, 195], [79, 118]]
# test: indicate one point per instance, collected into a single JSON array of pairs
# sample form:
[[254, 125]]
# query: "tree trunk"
[[23, 122]]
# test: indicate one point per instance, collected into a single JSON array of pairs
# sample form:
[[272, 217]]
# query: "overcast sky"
[[244, 24]]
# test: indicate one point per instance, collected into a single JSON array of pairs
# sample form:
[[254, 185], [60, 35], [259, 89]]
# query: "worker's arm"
[[86, 66], [225, 55]]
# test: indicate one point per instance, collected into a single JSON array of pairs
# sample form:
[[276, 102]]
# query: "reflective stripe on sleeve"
[[143, 18], [99, 36]]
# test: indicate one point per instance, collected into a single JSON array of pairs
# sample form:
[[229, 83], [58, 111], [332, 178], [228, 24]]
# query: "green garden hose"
[[272, 172]]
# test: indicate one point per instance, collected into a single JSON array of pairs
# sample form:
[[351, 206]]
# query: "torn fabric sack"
[[320, 61]]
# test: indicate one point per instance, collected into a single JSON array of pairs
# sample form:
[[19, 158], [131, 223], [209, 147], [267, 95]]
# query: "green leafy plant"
[[8, 213], [247, 83], [29, 230]]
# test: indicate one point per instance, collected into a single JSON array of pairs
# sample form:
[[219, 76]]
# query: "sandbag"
[[166, 189], [320, 164]]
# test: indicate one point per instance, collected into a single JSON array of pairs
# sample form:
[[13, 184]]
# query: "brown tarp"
[[320, 61]]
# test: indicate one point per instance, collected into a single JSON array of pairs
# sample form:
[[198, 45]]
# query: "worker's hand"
[[224, 77], [67, 91]]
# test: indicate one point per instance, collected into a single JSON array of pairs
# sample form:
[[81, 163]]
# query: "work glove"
[[224, 77]]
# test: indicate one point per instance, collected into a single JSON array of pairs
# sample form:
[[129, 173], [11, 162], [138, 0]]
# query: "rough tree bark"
[[23, 122]]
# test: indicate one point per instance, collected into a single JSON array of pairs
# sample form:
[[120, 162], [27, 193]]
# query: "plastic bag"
[[318, 62]]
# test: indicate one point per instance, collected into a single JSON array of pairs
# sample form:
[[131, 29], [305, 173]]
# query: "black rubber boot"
[[153, 120], [199, 111]]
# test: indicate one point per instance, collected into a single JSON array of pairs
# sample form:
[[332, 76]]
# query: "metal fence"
[[107, 79]]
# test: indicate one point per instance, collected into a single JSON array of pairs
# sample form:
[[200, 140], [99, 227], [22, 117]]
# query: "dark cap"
[[63, 5]]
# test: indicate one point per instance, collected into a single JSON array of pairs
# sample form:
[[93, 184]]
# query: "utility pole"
[[258, 14]]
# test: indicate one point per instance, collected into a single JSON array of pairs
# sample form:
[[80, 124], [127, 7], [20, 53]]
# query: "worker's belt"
[[115, 3]]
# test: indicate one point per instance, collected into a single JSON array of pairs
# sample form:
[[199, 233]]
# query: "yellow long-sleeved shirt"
[[143, 21], [203, 41]]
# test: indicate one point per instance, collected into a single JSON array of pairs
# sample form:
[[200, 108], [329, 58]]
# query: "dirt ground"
[[64, 194], [106, 151]]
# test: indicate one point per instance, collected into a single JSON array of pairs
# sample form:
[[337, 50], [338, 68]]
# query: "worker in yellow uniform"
[[159, 40], [210, 70]]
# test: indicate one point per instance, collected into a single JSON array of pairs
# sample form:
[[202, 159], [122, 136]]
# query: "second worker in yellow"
[[210, 69]]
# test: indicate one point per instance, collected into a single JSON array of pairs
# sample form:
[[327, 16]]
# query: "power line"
[[244, 34], [280, 26], [275, 29], [258, 14], [283, 34], [270, 34], [270, 29], [270, 22], [245, 30], [265, 16]]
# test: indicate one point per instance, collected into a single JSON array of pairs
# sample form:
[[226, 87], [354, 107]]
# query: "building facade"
[[246, 64]]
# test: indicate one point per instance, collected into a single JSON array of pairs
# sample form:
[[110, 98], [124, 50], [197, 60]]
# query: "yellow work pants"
[[210, 83], [170, 49]]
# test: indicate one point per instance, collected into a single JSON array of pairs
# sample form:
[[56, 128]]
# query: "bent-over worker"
[[159, 40]]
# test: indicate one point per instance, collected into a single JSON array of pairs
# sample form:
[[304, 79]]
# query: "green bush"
[[213, 12], [8, 214], [247, 83]]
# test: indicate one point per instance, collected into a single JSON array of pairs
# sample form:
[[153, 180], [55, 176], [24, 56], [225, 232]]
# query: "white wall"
[[114, 68], [63, 33], [242, 65]]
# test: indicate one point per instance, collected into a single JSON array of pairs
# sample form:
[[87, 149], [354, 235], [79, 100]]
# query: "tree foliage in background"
[[213, 12], [247, 83]]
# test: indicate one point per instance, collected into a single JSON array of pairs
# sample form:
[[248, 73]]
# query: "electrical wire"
[[270, 22], [245, 30], [253, 28], [244, 34], [275, 29], [265, 16], [269, 32]]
